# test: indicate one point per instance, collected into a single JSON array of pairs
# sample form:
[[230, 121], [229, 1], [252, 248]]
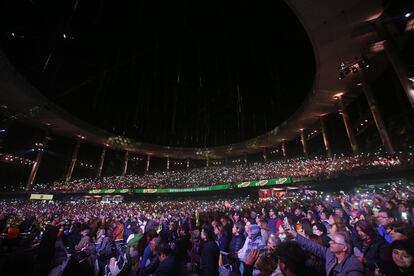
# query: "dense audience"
[[315, 168], [363, 232]]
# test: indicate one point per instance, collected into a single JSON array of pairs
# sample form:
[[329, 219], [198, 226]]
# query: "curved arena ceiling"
[[183, 79]]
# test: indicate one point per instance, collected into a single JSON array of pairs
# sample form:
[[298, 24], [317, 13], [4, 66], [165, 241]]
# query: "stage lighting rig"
[[353, 67]]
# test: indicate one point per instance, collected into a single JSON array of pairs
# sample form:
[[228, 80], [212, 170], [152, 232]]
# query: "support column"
[[284, 148], [348, 125], [396, 62], [73, 161], [207, 163], [304, 144], [188, 163], [168, 163], [126, 159], [148, 163], [325, 138], [36, 164], [101, 162], [245, 158], [376, 114], [264, 155]]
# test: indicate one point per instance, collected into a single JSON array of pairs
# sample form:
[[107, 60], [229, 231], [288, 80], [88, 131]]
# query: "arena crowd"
[[361, 232], [315, 168]]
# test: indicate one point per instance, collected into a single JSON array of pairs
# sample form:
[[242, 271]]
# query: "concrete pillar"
[[101, 162], [304, 144], [36, 164], [325, 138], [207, 164], [264, 155], [284, 148], [73, 161], [348, 125], [125, 167], [245, 158], [376, 113], [148, 163], [396, 62]]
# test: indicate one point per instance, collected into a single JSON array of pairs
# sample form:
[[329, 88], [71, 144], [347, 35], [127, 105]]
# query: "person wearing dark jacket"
[[402, 262], [46, 250], [210, 252], [374, 248], [168, 265], [339, 260], [238, 239]]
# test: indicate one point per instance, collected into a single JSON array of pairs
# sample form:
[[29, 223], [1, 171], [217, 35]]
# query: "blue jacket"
[[383, 233], [350, 266]]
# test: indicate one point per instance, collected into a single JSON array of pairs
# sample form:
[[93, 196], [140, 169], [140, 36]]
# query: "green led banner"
[[262, 183], [184, 190], [218, 187], [110, 191]]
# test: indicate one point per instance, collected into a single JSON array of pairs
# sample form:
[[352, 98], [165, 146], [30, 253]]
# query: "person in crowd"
[[337, 224], [374, 248], [46, 250], [312, 260], [103, 248], [402, 253], [236, 217], [273, 221], [310, 215], [221, 237], [324, 216], [118, 234], [168, 265], [265, 264], [404, 213], [272, 243], [306, 227], [253, 216], [227, 227], [264, 230], [298, 214], [182, 245], [133, 242], [401, 231], [320, 230], [147, 253], [339, 259], [85, 240], [238, 238], [292, 259], [253, 241], [384, 220], [210, 252], [151, 264]]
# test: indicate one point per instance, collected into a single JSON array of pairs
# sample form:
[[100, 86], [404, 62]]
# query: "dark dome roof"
[[177, 73]]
